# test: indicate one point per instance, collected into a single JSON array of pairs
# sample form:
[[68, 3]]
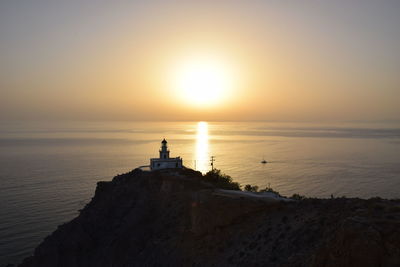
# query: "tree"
[[221, 180]]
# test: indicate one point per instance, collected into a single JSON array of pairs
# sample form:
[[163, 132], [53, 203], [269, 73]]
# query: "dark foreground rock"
[[174, 219]]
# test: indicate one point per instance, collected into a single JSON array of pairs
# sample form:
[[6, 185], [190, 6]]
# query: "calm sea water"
[[49, 171]]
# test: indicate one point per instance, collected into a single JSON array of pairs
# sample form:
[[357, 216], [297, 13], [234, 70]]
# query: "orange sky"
[[287, 60]]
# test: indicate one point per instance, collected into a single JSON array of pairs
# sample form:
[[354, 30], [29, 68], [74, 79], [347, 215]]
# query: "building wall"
[[157, 164]]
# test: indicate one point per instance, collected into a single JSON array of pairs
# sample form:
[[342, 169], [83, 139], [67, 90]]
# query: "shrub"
[[251, 188], [221, 180], [297, 197], [269, 189]]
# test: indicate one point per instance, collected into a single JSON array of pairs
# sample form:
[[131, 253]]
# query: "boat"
[[263, 161]]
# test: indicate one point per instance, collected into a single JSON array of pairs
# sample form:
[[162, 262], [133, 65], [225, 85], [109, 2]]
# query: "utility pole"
[[212, 162]]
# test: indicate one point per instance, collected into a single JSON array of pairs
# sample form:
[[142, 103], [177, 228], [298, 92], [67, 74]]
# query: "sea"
[[49, 170]]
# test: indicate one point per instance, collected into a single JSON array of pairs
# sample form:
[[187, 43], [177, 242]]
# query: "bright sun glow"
[[203, 82]]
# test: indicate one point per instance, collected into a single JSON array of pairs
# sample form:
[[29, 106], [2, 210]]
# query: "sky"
[[127, 60]]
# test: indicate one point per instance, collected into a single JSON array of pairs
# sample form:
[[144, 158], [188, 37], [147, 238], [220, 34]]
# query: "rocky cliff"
[[173, 218]]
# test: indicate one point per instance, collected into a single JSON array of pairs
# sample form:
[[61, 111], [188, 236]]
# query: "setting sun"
[[202, 82]]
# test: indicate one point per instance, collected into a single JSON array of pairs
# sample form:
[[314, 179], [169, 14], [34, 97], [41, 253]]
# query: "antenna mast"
[[212, 162]]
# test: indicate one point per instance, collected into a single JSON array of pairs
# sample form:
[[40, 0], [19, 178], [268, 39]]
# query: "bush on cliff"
[[251, 188], [221, 180], [297, 197]]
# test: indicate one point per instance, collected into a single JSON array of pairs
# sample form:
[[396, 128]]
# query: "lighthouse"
[[164, 161]]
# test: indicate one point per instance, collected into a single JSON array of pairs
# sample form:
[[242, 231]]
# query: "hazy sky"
[[112, 60]]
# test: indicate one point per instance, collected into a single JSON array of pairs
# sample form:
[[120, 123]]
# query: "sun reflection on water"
[[202, 157]]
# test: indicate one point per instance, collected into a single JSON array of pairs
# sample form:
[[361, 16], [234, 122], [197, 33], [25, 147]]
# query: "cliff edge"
[[174, 218]]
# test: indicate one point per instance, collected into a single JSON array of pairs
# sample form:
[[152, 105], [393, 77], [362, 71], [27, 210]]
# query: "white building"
[[165, 162]]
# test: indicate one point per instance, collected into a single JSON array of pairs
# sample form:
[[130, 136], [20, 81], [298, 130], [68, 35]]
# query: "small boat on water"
[[263, 161]]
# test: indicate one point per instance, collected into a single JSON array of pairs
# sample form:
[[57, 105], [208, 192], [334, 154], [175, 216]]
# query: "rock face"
[[172, 218]]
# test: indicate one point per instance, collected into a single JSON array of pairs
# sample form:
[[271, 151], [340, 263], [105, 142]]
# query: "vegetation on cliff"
[[221, 180]]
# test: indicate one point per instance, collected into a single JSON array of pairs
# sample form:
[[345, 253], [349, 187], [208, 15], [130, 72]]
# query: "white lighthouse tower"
[[164, 152], [165, 162]]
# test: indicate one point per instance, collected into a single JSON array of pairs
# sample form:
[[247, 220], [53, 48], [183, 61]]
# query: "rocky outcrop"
[[173, 218]]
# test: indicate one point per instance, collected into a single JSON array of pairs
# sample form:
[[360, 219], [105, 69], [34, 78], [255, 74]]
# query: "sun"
[[203, 82]]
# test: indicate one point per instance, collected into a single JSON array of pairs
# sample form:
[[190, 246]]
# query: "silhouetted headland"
[[179, 217]]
